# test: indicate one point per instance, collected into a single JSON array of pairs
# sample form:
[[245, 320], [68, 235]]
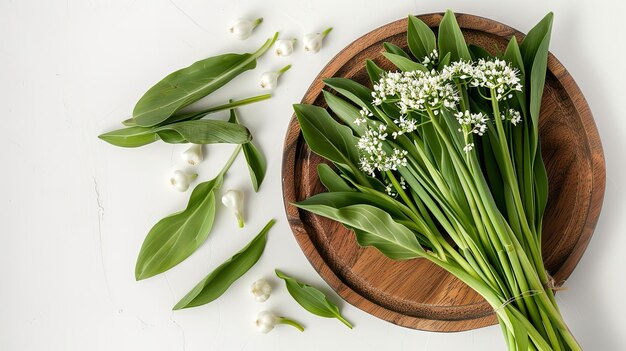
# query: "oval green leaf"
[[311, 299], [208, 131], [451, 39], [192, 83], [218, 281], [420, 38], [177, 236]]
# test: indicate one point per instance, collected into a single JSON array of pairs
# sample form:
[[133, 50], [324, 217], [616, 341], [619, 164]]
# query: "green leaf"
[[373, 71], [420, 37], [451, 39], [312, 299], [257, 166], [478, 52], [531, 43], [326, 137], [394, 49], [218, 281], [376, 228], [187, 85], [331, 180], [178, 235], [444, 61], [345, 111], [403, 63], [344, 198], [202, 113], [355, 92], [207, 131], [130, 137], [195, 131]]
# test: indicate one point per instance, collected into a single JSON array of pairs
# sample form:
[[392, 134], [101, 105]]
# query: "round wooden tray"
[[416, 293]]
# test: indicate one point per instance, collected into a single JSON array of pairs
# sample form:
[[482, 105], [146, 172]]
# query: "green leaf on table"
[[451, 39], [189, 84], [403, 63], [420, 38], [257, 166], [326, 137], [312, 299], [375, 228], [208, 131], [222, 277], [394, 49], [195, 131], [130, 137], [178, 235]]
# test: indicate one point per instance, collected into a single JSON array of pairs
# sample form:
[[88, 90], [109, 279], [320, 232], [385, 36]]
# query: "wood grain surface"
[[416, 293]]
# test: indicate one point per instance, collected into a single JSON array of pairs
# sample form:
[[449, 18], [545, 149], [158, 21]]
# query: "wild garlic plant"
[[445, 147]]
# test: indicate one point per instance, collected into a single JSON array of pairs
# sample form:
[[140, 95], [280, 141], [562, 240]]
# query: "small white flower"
[[193, 155], [181, 180], [266, 321], [313, 41], [242, 28], [233, 199], [514, 116], [261, 290], [284, 47], [469, 147], [269, 80]]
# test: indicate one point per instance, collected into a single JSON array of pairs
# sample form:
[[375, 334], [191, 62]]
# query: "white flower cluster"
[[498, 75], [514, 116], [406, 125], [477, 121], [374, 158], [389, 189], [431, 59], [365, 113], [463, 70], [415, 90]]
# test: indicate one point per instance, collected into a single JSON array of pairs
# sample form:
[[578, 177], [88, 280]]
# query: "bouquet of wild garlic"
[[448, 147]]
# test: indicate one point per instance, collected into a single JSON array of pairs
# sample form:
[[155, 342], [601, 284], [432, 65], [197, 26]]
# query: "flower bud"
[[180, 180], [261, 290], [242, 28], [284, 47], [193, 155], [313, 42], [233, 199], [266, 321], [269, 80]]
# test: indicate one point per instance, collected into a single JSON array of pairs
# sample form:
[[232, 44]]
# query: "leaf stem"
[[326, 31], [291, 322], [343, 320], [230, 161]]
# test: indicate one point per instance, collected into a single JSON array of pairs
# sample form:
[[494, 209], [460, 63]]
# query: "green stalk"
[[230, 161]]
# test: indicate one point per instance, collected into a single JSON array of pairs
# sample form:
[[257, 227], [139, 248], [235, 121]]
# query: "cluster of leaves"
[[157, 116], [490, 202]]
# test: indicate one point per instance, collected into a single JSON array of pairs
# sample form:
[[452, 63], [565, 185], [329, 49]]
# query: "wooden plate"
[[416, 293]]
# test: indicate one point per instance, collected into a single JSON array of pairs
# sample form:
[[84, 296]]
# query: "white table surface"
[[75, 210]]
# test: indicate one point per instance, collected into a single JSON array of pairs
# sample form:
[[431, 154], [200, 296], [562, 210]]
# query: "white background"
[[74, 210]]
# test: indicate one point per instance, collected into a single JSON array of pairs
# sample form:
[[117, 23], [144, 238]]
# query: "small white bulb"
[[269, 80], [242, 28], [313, 41], [181, 180], [266, 321], [193, 155], [284, 47], [261, 290], [233, 199]]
